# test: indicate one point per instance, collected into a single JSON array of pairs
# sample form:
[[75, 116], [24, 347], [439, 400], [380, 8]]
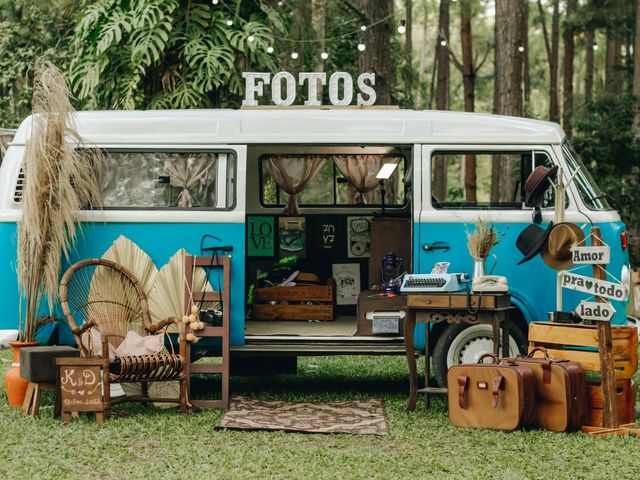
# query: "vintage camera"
[[211, 317]]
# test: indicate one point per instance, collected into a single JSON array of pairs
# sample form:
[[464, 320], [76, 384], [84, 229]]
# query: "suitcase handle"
[[498, 384], [532, 353], [463, 385], [491, 355]]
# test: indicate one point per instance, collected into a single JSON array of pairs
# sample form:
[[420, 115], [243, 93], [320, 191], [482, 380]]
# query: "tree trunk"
[[554, 107], [636, 72], [567, 76], [442, 92], [525, 57], [469, 86], [408, 54], [422, 61], [376, 58], [588, 77], [318, 24], [507, 86]]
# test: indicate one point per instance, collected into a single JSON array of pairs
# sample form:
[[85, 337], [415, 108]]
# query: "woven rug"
[[362, 417]]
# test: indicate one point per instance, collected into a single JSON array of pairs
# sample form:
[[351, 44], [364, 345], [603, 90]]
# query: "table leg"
[[409, 327], [495, 324], [427, 357], [505, 334]]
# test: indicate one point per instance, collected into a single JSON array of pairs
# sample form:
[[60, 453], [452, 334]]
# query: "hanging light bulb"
[[363, 28], [229, 22], [595, 46], [520, 47], [215, 2], [251, 38], [362, 47], [324, 55], [402, 28], [443, 42], [269, 49], [280, 4], [294, 55]]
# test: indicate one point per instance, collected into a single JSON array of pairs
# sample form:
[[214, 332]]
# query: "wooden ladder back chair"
[[102, 299], [222, 332]]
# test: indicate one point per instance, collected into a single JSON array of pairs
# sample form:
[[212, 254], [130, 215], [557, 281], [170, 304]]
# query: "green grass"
[[157, 444]]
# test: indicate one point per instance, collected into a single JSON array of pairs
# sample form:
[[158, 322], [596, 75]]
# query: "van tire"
[[467, 342]]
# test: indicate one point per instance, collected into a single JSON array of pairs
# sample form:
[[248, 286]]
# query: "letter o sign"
[[334, 83], [276, 89]]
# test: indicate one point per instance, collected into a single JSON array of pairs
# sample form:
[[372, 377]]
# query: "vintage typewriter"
[[433, 282]]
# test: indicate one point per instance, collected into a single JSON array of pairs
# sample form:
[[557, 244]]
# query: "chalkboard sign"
[[81, 386]]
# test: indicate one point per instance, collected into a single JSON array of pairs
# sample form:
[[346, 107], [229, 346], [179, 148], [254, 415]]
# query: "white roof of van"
[[299, 126]]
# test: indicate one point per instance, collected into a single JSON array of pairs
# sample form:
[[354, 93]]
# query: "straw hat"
[[531, 240], [556, 252], [537, 184]]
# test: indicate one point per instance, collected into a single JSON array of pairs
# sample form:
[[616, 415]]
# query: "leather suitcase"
[[491, 395], [561, 391]]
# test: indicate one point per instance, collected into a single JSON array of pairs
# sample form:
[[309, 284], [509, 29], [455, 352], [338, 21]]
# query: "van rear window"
[[480, 179]]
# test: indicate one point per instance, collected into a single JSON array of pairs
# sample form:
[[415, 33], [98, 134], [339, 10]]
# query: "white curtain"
[[360, 171], [292, 174], [187, 172]]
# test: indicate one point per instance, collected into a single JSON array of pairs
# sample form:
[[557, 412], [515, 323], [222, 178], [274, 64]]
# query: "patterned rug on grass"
[[361, 417]]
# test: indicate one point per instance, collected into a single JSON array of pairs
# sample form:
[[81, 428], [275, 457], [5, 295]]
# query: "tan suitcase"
[[491, 395]]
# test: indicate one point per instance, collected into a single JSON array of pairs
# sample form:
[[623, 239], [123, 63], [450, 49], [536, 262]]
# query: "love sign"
[[599, 312], [591, 255], [81, 388], [284, 88], [599, 288]]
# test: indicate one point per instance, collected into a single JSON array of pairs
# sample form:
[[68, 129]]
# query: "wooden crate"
[[291, 303], [580, 343], [625, 400]]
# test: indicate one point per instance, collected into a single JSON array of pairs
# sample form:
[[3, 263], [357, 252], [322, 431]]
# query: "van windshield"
[[593, 197]]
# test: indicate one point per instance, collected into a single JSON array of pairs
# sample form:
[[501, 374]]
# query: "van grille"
[[17, 194]]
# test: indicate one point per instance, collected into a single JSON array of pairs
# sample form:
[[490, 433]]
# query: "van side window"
[[164, 180], [321, 180], [481, 179]]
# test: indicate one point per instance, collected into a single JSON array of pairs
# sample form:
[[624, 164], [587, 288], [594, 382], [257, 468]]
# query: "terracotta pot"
[[15, 385]]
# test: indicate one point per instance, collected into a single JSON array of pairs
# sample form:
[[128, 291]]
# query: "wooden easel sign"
[[81, 386], [594, 286], [595, 311]]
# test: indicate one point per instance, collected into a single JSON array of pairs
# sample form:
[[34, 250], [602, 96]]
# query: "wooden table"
[[455, 307]]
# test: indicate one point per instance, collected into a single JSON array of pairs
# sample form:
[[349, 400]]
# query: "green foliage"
[[167, 53], [609, 149]]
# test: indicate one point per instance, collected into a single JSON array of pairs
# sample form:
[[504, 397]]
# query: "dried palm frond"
[[128, 254], [59, 181], [482, 240]]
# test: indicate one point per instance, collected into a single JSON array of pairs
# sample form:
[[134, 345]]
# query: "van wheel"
[[462, 343]]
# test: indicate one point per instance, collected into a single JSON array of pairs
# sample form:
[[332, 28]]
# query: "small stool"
[[38, 366]]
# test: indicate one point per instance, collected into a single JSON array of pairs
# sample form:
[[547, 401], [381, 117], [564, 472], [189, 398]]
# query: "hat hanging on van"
[[531, 240], [537, 183], [556, 252]]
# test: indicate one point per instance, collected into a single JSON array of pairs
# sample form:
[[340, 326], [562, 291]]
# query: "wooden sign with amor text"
[[596, 311], [599, 288], [591, 255], [81, 388]]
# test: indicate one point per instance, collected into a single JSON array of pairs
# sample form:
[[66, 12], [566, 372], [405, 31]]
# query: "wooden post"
[[559, 218], [605, 346]]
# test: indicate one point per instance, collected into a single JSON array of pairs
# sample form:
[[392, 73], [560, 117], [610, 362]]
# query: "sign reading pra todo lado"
[[284, 88]]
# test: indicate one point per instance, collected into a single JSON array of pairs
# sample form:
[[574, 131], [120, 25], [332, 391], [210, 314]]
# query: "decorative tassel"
[[194, 310], [192, 318], [191, 338], [185, 320]]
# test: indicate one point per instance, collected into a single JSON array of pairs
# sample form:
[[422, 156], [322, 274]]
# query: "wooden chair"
[[102, 295]]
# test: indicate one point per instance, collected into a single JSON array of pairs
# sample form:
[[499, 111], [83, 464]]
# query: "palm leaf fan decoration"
[[128, 254], [59, 181], [168, 293]]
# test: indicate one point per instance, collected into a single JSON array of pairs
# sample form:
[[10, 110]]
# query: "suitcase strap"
[[463, 385], [498, 384]]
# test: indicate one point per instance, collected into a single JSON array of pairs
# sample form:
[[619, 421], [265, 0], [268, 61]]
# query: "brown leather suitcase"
[[491, 395], [561, 391]]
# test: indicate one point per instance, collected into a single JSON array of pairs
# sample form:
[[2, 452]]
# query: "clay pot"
[[15, 385]]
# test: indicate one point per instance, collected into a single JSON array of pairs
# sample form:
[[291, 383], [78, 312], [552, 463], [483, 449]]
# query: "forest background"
[[575, 62]]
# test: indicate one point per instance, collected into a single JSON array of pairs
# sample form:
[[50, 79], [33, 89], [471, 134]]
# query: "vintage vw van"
[[274, 183]]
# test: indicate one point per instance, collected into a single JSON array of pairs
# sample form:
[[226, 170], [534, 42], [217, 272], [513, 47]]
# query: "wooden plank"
[[206, 368], [207, 297], [576, 335], [415, 300], [306, 293], [590, 360], [292, 312], [460, 301]]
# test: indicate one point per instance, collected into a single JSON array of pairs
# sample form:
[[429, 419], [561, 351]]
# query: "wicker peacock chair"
[[106, 299]]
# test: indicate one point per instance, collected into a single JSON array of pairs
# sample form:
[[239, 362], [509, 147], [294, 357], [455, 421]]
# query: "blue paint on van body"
[[159, 240], [532, 284]]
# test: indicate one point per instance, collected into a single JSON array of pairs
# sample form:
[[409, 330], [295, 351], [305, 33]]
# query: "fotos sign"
[[599, 288], [284, 88], [591, 255], [599, 312]]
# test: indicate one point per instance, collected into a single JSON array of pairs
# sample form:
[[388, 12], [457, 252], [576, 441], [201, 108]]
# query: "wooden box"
[[580, 343], [301, 302], [625, 399]]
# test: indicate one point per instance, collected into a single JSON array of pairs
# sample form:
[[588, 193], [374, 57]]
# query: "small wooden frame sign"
[[594, 286], [581, 255], [81, 386]]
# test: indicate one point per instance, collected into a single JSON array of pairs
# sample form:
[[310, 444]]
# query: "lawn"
[[157, 444]]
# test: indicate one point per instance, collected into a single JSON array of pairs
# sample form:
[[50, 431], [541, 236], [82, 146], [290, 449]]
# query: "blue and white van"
[[433, 189]]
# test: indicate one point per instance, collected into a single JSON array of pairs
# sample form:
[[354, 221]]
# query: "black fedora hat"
[[531, 240], [537, 183]]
